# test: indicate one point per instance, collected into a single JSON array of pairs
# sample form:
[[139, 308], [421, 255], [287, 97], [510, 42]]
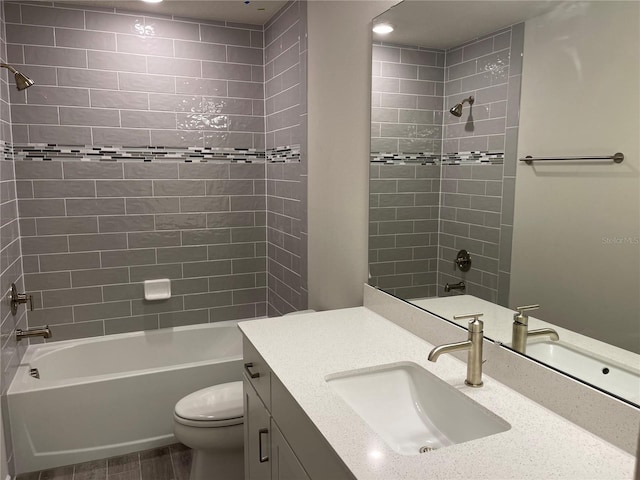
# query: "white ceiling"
[[257, 12], [443, 24]]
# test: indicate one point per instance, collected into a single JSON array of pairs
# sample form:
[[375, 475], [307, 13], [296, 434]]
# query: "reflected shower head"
[[457, 109], [22, 81]]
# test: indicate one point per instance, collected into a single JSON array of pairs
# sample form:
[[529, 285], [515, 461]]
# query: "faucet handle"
[[474, 316], [475, 324], [526, 308], [521, 317]]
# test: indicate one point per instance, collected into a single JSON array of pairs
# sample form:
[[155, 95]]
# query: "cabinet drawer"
[[257, 371]]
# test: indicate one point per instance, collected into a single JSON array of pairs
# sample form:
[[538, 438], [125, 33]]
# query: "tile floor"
[[166, 463]]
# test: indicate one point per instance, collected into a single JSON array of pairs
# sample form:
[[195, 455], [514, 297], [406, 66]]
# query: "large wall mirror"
[[462, 93]]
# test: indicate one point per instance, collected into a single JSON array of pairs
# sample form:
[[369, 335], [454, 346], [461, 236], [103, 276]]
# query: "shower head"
[[457, 109], [22, 81]]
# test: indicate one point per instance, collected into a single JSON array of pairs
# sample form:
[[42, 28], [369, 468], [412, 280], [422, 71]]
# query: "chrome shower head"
[[22, 81], [457, 108]]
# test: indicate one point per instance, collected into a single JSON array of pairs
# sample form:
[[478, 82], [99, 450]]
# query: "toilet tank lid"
[[219, 402]]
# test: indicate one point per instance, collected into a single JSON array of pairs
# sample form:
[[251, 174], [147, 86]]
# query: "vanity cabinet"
[[280, 442]]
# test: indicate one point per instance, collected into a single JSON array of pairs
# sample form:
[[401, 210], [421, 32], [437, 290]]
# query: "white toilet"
[[210, 421]]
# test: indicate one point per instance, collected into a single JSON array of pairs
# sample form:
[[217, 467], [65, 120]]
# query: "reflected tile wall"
[[477, 201], [286, 114], [114, 78], [481, 68], [407, 99], [403, 229]]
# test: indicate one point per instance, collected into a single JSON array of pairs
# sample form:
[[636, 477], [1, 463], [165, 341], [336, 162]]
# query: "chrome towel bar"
[[616, 157]]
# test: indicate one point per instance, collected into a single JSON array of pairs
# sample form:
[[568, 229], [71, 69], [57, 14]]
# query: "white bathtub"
[[112, 395]]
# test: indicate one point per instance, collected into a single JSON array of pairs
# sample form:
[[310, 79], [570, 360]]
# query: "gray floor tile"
[[96, 470], [156, 464], [130, 475], [61, 473], [29, 476], [181, 457], [123, 464], [165, 463]]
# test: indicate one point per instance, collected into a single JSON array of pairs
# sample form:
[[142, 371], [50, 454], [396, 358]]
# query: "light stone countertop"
[[303, 349]]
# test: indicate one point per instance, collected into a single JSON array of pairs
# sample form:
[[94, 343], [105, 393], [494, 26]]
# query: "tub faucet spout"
[[33, 332]]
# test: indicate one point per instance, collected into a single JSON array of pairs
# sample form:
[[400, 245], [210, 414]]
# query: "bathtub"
[[112, 395]]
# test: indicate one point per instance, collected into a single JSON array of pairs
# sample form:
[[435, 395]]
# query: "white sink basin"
[[590, 368], [411, 409]]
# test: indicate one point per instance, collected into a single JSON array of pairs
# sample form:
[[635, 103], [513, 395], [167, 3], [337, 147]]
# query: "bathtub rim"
[[23, 382]]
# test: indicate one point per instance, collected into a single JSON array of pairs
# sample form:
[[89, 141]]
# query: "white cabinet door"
[[284, 463], [257, 436]]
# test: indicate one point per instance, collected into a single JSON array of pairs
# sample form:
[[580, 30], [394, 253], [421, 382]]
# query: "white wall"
[[576, 245], [339, 80]]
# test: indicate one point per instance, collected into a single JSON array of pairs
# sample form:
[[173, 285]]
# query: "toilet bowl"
[[210, 421]]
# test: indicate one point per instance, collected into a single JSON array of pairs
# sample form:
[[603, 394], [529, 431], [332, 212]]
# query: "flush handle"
[[261, 432], [247, 368]]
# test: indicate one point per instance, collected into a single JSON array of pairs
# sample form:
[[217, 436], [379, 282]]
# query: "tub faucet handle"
[[15, 299]]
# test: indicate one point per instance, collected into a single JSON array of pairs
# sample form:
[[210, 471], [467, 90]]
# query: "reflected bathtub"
[[112, 395]]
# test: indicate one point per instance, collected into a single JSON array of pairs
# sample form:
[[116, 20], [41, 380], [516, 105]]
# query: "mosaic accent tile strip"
[[49, 152], [283, 154], [423, 158], [462, 158]]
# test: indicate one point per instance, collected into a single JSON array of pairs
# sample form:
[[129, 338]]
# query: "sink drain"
[[427, 449]]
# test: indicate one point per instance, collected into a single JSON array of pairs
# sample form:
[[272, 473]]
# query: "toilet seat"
[[212, 407]]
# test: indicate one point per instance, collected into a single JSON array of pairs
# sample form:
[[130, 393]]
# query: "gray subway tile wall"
[[11, 270], [403, 229], [139, 233], [413, 89], [285, 110], [409, 81], [93, 231], [121, 79], [479, 200]]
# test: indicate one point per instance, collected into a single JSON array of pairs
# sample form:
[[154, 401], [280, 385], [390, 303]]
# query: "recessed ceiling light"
[[152, 1], [383, 28]]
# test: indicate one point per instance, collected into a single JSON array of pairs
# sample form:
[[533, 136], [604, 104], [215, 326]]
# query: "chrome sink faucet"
[[521, 330], [473, 344]]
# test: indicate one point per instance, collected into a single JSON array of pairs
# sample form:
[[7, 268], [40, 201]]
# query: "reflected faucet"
[[521, 330], [473, 344], [455, 286]]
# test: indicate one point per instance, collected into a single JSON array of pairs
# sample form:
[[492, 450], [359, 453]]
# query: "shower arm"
[[9, 67], [469, 100]]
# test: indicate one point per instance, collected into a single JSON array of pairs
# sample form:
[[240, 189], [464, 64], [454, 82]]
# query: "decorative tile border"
[[462, 158], [50, 152], [424, 158]]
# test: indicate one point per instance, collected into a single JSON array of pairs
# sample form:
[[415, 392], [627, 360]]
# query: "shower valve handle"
[[15, 299]]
